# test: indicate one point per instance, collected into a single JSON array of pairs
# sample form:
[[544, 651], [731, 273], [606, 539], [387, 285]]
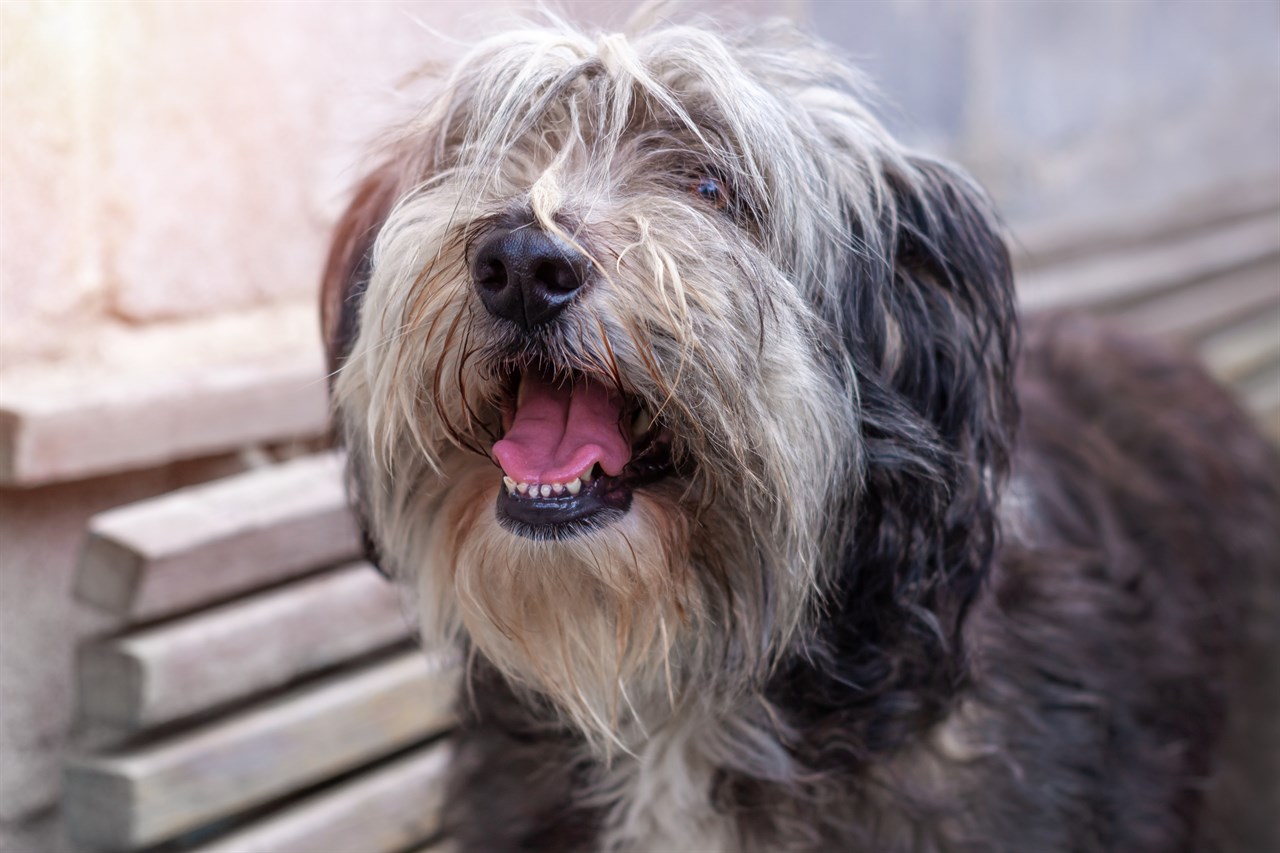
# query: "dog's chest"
[[661, 798]]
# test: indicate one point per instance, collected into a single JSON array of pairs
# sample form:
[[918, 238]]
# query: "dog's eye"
[[711, 191]]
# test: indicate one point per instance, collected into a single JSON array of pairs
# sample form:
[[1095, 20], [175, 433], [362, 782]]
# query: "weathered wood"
[[389, 809], [206, 543], [1142, 272], [199, 662], [139, 797], [1206, 307], [105, 426], [1057, 242], [1244, 348], [1261, 393]]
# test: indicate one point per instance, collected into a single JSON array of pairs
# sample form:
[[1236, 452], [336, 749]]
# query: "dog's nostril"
[[527, 276], [556, 276], [491, 274]]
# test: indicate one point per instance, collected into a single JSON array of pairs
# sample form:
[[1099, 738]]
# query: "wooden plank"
[[443, 845], [1140, 273], [1206, 307], [1055, 242], [138, 797], [389, 809], [209, 542], [1261, 391], [103, 426], [1244, 348], [213, 657], [1271, 425], [1261, 394]]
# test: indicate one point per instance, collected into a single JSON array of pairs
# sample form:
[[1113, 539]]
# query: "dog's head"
[[642, 340]]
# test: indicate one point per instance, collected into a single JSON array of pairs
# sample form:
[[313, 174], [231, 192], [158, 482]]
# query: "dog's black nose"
[[527, 276]]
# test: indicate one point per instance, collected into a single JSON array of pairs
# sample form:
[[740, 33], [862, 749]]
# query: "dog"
[[693, 411]]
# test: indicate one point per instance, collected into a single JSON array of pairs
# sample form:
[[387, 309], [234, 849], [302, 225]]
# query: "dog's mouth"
[[574, 451]]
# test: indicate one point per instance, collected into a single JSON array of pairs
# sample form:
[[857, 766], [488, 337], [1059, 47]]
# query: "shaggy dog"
[[686, 402]]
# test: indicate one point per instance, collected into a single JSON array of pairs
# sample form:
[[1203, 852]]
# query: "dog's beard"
[[587, 621]]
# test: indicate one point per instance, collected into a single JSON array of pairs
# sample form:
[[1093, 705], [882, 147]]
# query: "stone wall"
[[1071, 111], [169, 160]]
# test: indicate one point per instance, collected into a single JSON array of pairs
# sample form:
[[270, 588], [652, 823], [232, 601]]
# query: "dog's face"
[[626, 328]]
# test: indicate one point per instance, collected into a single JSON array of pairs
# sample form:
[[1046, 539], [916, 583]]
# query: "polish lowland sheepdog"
[[694, 412]]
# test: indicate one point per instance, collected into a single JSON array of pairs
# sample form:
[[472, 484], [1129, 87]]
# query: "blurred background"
[[190, 658]]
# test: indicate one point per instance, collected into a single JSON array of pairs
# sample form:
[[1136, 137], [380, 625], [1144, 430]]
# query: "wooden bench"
[[263, 693]]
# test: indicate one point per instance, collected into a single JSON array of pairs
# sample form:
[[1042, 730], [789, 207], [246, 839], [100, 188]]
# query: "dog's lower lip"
[[560, 516], [600, 499]]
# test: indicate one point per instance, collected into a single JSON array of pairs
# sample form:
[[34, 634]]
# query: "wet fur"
[[878, 609]]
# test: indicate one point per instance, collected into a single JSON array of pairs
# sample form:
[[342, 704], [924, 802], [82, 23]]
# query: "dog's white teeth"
[[586, 478], [544, 490], [641, 424]]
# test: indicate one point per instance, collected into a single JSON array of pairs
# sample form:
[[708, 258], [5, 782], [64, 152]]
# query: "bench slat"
[[386, 810], [1261, 391], [139, 797], [199, 662], [1205, 307], [1139, 273], [1057, 242], [209, 542], [1244, 349]]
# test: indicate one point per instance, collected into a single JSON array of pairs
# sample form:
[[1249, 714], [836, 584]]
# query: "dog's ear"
[[930, 327], [346, 275], [347, 270], [930, 319], [952, 297]]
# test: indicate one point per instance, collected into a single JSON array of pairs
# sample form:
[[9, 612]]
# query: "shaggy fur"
[[869, 609]]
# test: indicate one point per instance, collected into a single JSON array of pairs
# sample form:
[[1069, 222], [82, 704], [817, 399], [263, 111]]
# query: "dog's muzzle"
[[574, 447]]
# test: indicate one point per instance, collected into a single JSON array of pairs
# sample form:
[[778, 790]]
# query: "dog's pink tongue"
[[559, 432]]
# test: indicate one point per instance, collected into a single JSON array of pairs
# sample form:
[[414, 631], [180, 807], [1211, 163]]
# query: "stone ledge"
[[138, 398]]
